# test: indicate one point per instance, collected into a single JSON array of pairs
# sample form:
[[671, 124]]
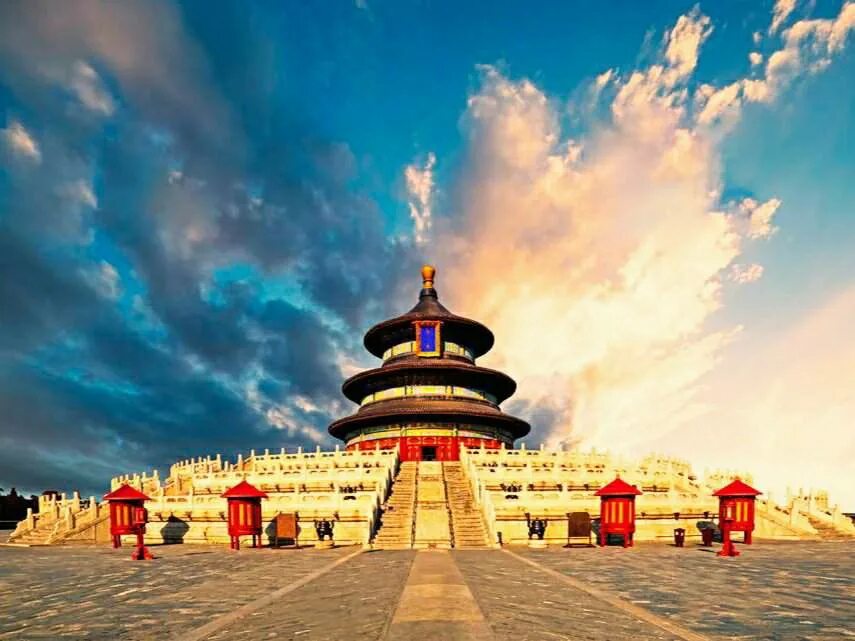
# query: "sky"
[[203, 207]]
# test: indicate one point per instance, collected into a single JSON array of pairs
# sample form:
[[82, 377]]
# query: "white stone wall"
[[550, 484]]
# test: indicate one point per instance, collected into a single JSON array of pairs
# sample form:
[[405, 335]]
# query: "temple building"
[[429, 397]]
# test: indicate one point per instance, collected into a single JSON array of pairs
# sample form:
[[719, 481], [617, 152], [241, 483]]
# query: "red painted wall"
[[447, 447]]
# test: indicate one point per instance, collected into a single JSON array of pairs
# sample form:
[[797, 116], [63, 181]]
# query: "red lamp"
[[244, 513], [736, 502], [128, 516], [617, 510]]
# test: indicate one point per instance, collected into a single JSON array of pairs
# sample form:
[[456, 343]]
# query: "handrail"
[[448, 505], [413, 510]]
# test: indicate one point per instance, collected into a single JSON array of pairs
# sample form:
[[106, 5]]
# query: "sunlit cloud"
[[599, 262], [809, 47], [20, 141], [780, 13], [745, 273]]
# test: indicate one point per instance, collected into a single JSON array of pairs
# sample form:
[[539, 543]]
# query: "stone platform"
[[775, 591]]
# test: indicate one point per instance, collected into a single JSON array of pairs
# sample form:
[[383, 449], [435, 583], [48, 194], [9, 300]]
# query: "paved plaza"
[[776, 591]]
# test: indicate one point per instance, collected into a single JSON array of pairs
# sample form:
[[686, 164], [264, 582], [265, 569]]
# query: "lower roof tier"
[[445, 411]]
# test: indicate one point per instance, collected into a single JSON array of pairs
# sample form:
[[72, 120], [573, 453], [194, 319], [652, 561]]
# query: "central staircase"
[[396, 531], [431, 506], [433, 529]]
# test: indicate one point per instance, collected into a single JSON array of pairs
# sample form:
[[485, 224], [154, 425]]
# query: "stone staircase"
[[431, 506], [827, 532], [433, 526], [467, 524], [42, 535], [396, 530]]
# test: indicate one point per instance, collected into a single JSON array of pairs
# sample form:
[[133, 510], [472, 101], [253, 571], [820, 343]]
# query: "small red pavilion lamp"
[[244, 513], [617, 510], [128, 516], [736, 509]]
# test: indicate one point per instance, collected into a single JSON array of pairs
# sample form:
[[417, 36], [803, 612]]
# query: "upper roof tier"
[[456, 329]]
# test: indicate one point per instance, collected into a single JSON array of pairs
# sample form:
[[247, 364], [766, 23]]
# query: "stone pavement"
[[99, 593], [524, 604], [354, 602], [774, 591]]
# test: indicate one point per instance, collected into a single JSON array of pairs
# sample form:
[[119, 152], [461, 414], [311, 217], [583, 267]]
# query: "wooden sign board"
[[285, 529], [578, 527]]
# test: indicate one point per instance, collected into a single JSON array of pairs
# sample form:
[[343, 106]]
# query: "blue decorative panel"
[[427, 338]]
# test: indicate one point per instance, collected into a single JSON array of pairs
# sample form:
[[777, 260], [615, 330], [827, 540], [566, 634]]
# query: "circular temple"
[[428, 398]]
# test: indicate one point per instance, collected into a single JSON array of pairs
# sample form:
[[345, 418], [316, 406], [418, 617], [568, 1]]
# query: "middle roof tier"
[[423, 371]]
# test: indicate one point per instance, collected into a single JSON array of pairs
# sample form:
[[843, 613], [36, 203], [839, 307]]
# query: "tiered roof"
[[411, 369]]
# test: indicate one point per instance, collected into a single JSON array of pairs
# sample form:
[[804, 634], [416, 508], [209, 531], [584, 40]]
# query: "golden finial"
[[428, 272]]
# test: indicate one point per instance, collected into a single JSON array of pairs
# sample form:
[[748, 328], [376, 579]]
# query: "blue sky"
[[203, 207]]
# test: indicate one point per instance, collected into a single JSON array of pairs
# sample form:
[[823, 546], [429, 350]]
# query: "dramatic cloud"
[[180, 272], [616, 246], [420, 188], [614, 253]]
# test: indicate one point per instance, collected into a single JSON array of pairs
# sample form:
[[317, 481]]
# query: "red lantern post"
[[128, 516], [244, 513], [736, 509], [617, 510], [725, 522]]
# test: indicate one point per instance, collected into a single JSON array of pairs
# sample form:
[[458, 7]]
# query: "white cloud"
[[80, 192], [420, 185], [21, 142], [756, 217], [745, 273], [809, 46], [755, 58], [685, 41], [780, 13], [284, 418], [105, 280], [721, 102], [841, 28], [87, 86]]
